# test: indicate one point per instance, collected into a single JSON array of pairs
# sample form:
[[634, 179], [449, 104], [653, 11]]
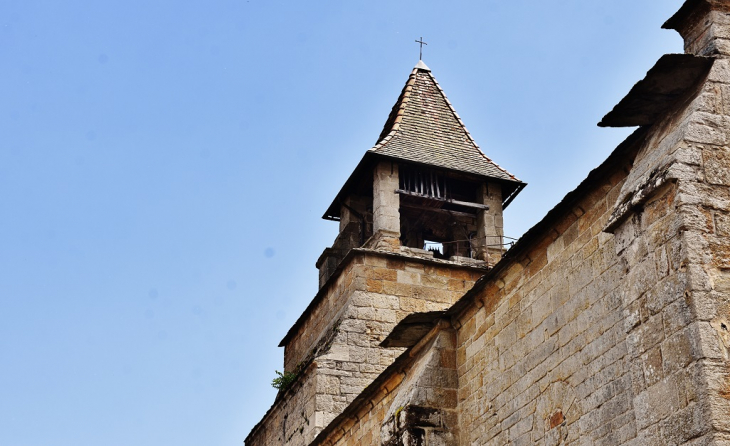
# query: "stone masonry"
[[425, 181], [491, 226], [385, 202], [607, 323], [335, 348]]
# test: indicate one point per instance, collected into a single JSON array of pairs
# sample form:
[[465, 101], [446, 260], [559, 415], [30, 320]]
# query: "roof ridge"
[[463, 126]]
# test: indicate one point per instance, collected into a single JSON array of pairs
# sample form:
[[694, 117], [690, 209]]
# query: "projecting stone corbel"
[[636, 198]]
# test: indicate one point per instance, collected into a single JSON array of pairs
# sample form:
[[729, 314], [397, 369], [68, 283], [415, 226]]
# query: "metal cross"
[[420, 51]]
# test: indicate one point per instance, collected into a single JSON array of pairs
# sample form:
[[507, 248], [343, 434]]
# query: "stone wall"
[[593, 337], [391, 286], [338, 337], [413, 403], [349, 237], [543, 355], [608, 323], [290, 420], [490, 227], [362, 425], [386, 289], [424, 410], [385, 201], [703, 200]]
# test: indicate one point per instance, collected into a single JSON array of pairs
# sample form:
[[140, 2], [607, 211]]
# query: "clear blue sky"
[[164, 167]]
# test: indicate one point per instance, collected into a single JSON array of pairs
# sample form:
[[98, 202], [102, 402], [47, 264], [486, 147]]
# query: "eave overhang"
[[692, 11], [673, 78], [510, 189], [412, 329]]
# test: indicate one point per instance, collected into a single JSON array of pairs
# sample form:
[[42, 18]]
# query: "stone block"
[[412, 305], [398, 289], [395, 264], [431, 294], [374, 260], [706, 344], [677, 316], [651, 333], [592, 215], [637, 377], [554, 249], [652, 365], [520, 429], [720, 251], [626, 233], [717, 166], [721, 222], [365, 313], [706, 128], [720, 71], [353, 326], [686, 424], [384, 315], [676, 352], [634, 314], [373, 286], [434, 281], [377, 273], [657, 403], [384, 301], [458, 285], [710, 100], [408, 278], [537, 263]]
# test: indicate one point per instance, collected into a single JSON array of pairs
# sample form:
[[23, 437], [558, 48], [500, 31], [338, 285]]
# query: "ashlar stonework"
[[606, 323]]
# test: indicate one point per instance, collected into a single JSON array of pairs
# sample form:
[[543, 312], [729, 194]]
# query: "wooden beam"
[[444, 200], [426, 208]]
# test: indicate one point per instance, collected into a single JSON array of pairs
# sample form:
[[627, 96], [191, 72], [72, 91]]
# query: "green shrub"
[[283, 380]]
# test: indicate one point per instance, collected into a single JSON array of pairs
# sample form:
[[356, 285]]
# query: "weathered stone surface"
[[343, 331], [577, 336], [385, 200]]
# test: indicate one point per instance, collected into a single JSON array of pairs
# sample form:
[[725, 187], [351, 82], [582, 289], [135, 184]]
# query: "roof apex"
[[424, 128], [421, 66]]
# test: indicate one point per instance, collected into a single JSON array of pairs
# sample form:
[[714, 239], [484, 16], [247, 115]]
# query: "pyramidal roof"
[[424, 128]]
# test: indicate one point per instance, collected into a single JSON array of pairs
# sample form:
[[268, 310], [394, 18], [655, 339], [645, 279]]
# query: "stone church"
[[608, 322]]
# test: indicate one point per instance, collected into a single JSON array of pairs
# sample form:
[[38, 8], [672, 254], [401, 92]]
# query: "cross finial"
[[420, 51]]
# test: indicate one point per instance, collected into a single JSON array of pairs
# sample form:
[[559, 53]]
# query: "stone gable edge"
[[280, 396], [386, 383]]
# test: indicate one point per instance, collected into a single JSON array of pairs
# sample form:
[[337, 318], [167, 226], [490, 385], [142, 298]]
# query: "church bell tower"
[[424, 186], [420, 221]]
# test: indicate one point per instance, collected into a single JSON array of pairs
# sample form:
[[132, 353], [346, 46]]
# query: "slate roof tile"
[[424, 128]]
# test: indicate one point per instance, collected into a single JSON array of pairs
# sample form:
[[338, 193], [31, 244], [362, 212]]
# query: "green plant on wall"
[[283, 380]]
